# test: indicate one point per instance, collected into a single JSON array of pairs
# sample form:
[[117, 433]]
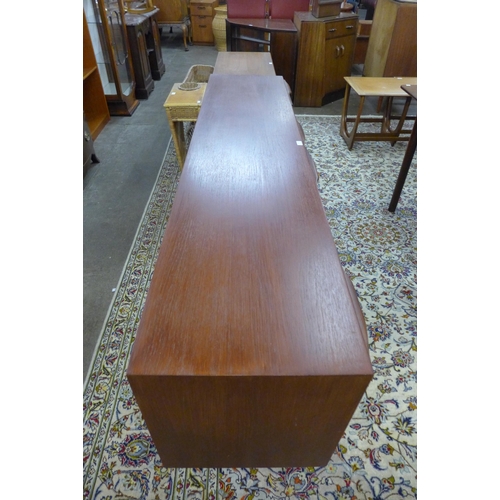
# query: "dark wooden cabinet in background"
[[138, 28], [154, 48], [325, 56], [277, 36]]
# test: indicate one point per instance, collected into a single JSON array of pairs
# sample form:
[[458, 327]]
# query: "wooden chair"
[[175, 13]]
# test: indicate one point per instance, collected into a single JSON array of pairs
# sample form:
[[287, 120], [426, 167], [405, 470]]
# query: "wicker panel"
[[199, 73]]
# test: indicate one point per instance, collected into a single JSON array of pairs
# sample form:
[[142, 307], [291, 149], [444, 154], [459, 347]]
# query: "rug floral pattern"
[[376, 457]]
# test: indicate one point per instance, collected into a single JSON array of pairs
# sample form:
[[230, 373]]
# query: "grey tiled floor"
[[116, 190]]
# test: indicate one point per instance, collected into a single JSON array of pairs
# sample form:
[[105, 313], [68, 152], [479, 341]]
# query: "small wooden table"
[[381, 87], [182, 106], [244, 63], [408, 157]]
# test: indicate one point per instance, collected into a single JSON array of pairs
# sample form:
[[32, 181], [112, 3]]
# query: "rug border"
[[113, 298]]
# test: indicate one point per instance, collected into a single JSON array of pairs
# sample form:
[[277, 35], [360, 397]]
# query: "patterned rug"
[[376, 458]]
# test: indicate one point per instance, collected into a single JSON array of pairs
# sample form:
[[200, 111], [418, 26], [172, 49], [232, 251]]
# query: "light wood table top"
[[244, 63], [379, 86]]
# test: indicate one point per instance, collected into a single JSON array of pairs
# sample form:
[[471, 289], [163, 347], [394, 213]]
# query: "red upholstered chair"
[[284, 9], [246, 9]]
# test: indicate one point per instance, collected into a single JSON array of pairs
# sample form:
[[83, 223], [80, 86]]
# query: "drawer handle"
[[350, 27], [332, 30], [202, 25]]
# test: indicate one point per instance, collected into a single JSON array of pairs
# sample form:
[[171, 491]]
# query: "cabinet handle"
[[332, 30], [342, 49], [337, 51]]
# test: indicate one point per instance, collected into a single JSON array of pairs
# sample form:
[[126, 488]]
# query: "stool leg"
[[405, 166], [177, 130]]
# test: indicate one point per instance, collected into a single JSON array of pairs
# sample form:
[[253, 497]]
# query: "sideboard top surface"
[[248, 281]]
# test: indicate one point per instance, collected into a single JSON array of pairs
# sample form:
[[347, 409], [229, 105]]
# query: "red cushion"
[[253, 9], [284, 9]]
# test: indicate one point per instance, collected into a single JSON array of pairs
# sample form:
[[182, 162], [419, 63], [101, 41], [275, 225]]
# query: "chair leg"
[[184, 36]]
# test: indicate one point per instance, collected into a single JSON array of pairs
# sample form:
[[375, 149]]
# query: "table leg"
[[405, 166], [349, 137]]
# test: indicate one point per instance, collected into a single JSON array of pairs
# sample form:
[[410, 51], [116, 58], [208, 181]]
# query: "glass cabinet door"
[[109, 38]]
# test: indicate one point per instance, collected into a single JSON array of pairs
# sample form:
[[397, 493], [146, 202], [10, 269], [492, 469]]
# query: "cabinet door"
[[338, 62]]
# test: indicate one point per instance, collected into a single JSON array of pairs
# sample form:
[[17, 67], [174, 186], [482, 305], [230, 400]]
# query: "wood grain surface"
[[244, 63], [251, 349]]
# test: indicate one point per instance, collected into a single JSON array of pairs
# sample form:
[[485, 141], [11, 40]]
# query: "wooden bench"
[[252, 349], [383, 88]]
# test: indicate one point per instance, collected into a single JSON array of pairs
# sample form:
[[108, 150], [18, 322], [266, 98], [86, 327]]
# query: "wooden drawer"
[[203, 8], [340, 28], [202, 29]]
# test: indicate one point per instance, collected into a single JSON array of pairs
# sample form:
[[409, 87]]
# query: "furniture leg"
[[386, 122], [349, 137], [184, 36], [177, 130], [405, 166]]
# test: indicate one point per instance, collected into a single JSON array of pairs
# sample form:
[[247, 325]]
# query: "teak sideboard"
[[252, 348]]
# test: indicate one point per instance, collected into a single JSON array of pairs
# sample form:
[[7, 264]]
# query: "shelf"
[[88, 71], [251, 39], [95, 107]]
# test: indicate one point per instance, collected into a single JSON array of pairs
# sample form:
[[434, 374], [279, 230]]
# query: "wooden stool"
[[381, 87], [182, 106]]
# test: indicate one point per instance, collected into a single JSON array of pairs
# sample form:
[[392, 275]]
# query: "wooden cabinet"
[[138, 29], [95, 107], [392, 49], [154, 48], [325, 56], [277, 36], [202, 15], [106, 20]]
